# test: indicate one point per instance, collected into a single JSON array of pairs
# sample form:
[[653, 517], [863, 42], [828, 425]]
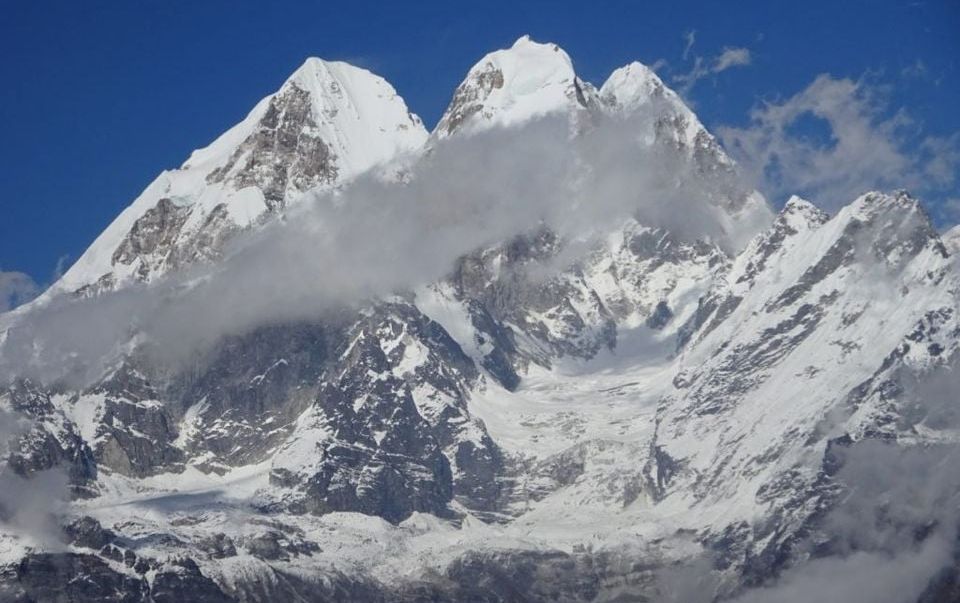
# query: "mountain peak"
[[798, 206], [894, 225], [341, 99], [309, 64], [528, 80], [636, 87], [316, 70], [800, 215], [632, 83], [525, 42], [898, 198], [869, 206]]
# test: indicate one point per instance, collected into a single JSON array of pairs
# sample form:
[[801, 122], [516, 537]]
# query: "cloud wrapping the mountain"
[[859, 578], [376, 237], [895, 527], [892, 533], [28, 506]]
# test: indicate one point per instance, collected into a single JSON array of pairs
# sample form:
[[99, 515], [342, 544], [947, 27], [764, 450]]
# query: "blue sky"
[[99, 97]]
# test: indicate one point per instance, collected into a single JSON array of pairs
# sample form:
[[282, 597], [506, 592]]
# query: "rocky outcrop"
[[46, 439], [283, 153], [390, 406]]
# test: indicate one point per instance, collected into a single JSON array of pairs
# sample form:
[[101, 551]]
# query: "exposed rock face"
[[284, 152], [153, 232], [136, 431], [467, 98], [63, 577], [183, 581], [576, 313], [47, 439], [383, 417], [262, 380], [563, 313], [87, 533], [72, 577]]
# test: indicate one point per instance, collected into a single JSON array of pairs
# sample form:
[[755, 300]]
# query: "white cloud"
[[868, 148], [942, 158]]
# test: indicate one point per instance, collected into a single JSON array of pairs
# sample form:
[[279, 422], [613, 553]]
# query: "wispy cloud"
[[917, 70], [729, 58], [950, 210], [16, 288], [690, 38]]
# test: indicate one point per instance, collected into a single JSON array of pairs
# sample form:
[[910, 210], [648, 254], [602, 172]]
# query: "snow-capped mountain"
[[546, 422], [329, 122], [510, 86]]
